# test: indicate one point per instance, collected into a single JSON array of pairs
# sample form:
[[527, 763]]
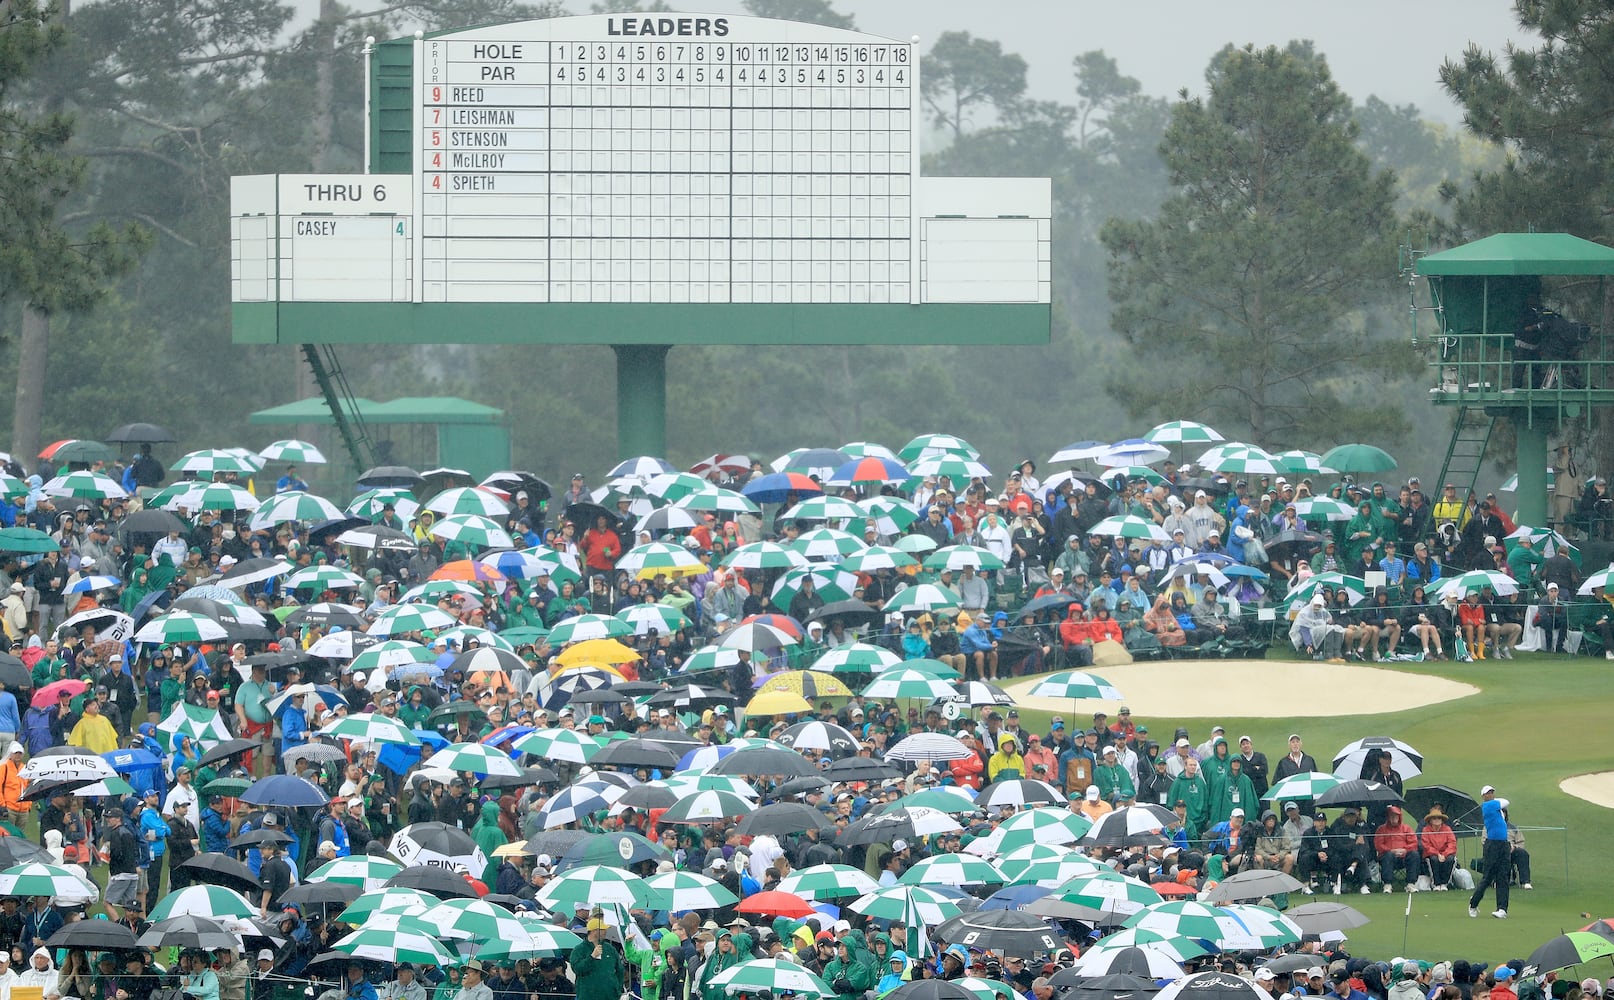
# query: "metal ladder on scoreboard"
[[339, 400], [1466, 453]]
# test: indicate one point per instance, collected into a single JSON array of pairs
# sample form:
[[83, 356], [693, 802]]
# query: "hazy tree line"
[[1227, 256]]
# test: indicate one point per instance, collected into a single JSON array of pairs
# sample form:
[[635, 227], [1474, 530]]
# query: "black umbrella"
[[250, 571], [931, 989], [226, 750], [13, 674], [879, 828], [1047, 602], [858, 769], [221, 869], [93, 935], [38, 791], [1462, 812], [648, 796], [334, 963], [140, 434], [635, 753], [825, 737], [390, 476], [21, 850], [584, 514], [1297, 961], [1293, 544], [1357, 792], [1565, 950], [151, 521], [753, 761], [551, 842], [440, 882], [599, 696], [529, 776], [1115, 985], [801, 786], [1131, 826], [1210, 484], [259, 837], [435, 481], [379, 536], [783, 818], [852, 612], [452, 710], [513, 481], [1213, 985], [188, 930], [1013, 932], [324, 893], [323, 532], [695, 697]]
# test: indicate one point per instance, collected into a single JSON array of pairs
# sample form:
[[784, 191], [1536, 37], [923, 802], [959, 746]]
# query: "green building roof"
[[1521, 254]]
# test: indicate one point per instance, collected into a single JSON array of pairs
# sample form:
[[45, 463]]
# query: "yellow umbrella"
[[808, 684], [777, 703], [595, 651]]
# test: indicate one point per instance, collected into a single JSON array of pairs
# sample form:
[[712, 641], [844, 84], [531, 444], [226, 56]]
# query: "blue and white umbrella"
[[89, 583]]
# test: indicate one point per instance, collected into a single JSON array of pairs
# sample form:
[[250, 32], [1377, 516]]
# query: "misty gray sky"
[[1391, 49]]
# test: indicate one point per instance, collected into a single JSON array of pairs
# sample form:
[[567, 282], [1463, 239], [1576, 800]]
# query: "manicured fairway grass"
[[1537, 720]]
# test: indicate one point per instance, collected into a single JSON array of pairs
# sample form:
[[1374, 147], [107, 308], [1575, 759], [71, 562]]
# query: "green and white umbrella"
[[433, 591], [856, 658], [958, 471], [393, 899], [867, 449], [1301, 463], [641, 618], [204, 901], [776, 976], [37, 879], [401, 618], [293, 505], [468, 500], [204, 725], [960, 557], [948, 799], [1104, 895], [475, 757], [954, 870], [915, 544], [1250, 461], [1130, 472], [1182, 432], [890, 515], [1261, 928], [1477, 580], [1352, 585], [895, 902], [1602, 578], [877, 557], [369, 727], [671, 487], [593, 885], [320, 578], [537, 940], [707, 807], [209, 461], [464, 635], [84, 486], [718, 500], [1046, 865], [385, 656], [1305, 786], [824, 508], [901, 682], [1075, 684], [928, 445], [827, 543], [472, 530], [559, 744], [365, 871], [581, 628], [821, 882], [924, 597], [416, 943], [1174, 947], [676, 891], [1216, 454], [832, 583], [1315, 508], [11, 487], [180, 626], [1183, 918], [213, 496], [765, 555], [1034, 826], [711, 658], [474, 919], [294, 451], [371, 503], [1129, 526], [660, 558]]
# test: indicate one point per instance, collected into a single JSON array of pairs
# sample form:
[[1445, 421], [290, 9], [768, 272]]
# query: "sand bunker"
[[1264, 689], [1598, 788]]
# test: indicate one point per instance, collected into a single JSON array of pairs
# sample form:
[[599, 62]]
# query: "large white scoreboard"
[[649, 159]]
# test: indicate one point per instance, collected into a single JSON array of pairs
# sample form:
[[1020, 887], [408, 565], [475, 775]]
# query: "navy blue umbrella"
[[287, 790], [1013, 897]]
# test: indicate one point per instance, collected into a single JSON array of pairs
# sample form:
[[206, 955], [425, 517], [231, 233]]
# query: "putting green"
[[1596, 788], [1264, 689]]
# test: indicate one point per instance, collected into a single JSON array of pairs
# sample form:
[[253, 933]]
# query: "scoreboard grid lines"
[[666, 171]]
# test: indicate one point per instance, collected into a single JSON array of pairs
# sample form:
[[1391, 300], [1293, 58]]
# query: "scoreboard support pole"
[[641, 399]]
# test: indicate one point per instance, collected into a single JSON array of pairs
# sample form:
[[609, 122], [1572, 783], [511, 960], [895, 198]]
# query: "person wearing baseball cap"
[[597, 964], [1496, 866]]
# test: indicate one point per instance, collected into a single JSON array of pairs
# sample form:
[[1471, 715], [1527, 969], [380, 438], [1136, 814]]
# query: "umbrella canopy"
[[1033, 826], [287, 790], [782, 818], [180, 626], [1213, 986], [83, 485], [1359, 793], [928, 747], [955, 870], [822, 882], [1307, 786], [1157, 946], [439, 882], [1104, 896], [1076, 685], [213, 901], [827, 737], [613, 850], [1183, 918], [898, 822], [1131, 826], [1358, 458], [476, 758], [415, 943], [777, 904], [1019, 793], [688, 891], [857, 658], [93, 935], [1352, 757], [905, 682], [772, 975], [37, 879], [1012, 932], [140, 433], [1252, 884], [436, 844], [189, 930], [594, 885], [221, 867]]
